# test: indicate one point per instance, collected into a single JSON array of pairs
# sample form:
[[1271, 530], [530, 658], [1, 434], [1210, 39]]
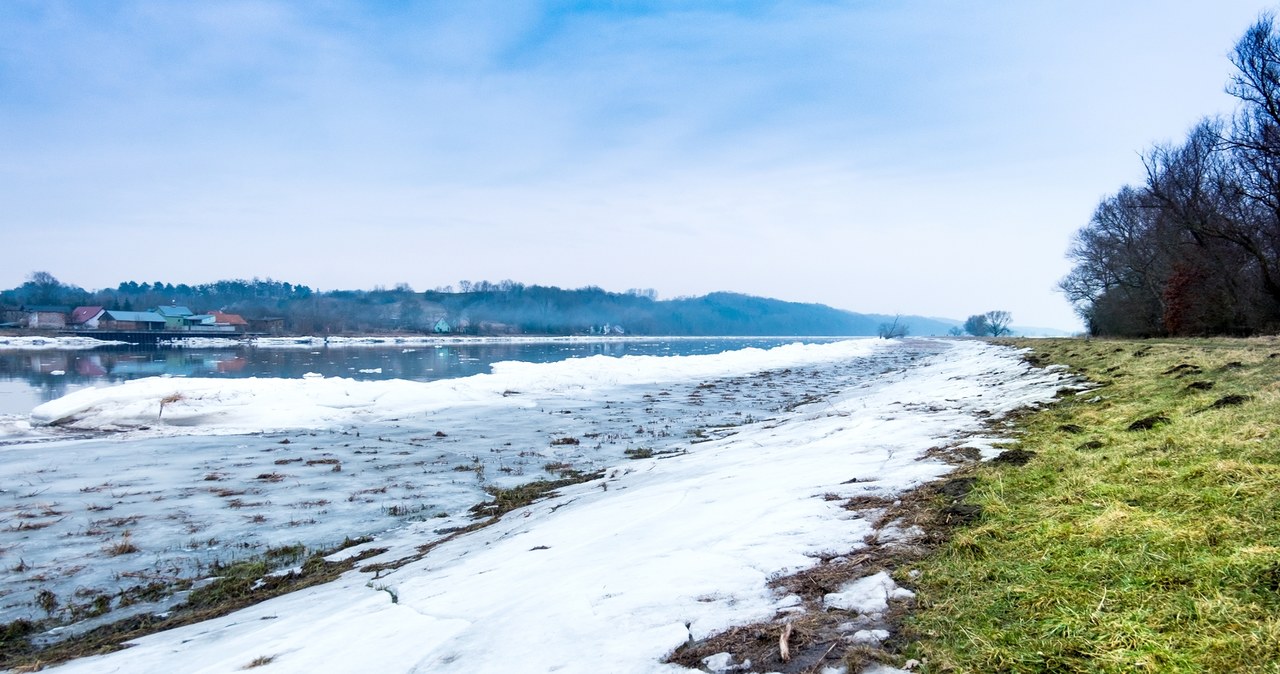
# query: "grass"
[[260, 661], [513, 498], [1144, 533], [124, 546]]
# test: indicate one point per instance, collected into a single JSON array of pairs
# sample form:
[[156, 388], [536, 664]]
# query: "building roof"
[[228, 319], [84, 314], [174, 311], [134, 316]]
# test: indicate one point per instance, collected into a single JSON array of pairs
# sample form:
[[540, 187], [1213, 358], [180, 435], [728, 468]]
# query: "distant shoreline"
[[71, 343]]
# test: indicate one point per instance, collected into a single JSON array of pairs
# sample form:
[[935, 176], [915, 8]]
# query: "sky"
[[914, 157]]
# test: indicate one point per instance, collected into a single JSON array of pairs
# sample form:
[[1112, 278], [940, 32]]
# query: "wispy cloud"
[[808, 150]]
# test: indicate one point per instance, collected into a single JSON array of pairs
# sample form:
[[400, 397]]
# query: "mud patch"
[[961, 514], [1230, 401], [955, 488], [1014, 457], [1148, 423]]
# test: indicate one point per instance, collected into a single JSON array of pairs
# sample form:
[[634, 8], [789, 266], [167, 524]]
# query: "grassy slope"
[[1119, 550]]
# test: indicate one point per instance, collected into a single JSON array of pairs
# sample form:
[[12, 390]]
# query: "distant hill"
[[920, 326], [478, 308], [552, 310]]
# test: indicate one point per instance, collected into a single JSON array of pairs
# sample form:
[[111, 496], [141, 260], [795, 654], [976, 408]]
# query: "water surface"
[[28, 378]]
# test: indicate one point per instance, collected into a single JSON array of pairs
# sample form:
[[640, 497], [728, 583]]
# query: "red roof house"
[[220, 318], [86, 316]]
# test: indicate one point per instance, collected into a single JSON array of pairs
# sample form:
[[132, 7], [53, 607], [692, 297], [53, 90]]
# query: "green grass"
[[1118, 550]]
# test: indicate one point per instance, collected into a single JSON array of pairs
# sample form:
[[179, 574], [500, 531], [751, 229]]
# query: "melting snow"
[[869, 595], [611, 575], [8, 343]]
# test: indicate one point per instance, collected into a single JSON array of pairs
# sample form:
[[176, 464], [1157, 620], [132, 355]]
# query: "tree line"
[[1195, 249], [475, 307]]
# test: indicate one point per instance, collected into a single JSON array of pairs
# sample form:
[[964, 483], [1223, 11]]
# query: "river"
[[28, 378], [185, 502]]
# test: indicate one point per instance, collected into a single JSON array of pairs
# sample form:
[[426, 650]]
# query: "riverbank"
[[86, 341], [661, 551], [1142, 532]]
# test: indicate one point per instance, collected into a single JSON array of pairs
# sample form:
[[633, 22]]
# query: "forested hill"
[[552, 310], [476, 308]]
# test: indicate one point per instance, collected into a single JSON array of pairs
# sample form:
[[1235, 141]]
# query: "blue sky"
[[915, 157]]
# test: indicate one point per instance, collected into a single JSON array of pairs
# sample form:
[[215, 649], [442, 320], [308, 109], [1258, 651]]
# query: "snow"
[[10, 343], [203, 342], [613, 574], [311, 342], [189, 405], [868, 595], [11, 426], [723, 662]]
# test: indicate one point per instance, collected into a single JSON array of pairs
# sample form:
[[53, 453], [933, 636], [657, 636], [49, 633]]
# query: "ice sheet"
[[614, 574]]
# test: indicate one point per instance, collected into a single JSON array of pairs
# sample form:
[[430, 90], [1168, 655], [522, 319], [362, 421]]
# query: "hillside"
[[477, 308]]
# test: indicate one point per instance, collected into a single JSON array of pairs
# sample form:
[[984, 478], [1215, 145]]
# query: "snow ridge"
[[614, 574]]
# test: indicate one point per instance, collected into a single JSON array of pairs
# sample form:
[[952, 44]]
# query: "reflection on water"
[[30, 378]]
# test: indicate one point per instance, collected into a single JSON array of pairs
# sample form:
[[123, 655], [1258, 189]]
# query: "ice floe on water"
[[610, 576], [193, 405], [12, 343]]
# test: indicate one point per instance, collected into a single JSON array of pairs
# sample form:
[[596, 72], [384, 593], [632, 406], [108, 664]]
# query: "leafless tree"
[[1196, 249], [896, 328]]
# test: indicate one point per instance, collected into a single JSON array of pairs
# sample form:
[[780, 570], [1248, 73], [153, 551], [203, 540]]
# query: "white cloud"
[[806, 151]]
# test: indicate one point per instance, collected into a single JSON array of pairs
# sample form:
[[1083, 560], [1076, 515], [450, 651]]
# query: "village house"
[[86, 317], [46, 317], [267, 326], [12, 317], [131, 321], [174, 316], [235, 322]]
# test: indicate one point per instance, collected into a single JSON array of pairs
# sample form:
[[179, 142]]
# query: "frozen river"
[[240, 466], [29, 377], [778, 459]]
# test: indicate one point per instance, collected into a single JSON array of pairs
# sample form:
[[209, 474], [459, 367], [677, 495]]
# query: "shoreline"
[[177, 341], [821, 426]]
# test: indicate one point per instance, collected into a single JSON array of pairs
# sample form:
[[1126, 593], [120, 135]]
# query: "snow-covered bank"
[[613, 575], [315, 342], [189, 497], [185, 406], [8, 343], [203, 342], [448, 340]]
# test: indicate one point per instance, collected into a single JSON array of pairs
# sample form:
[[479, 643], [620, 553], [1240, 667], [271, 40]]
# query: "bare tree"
[[1196, 250], [894, 329], [990, 324], [998, 323]]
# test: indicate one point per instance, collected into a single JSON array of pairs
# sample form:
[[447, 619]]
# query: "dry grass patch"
[[260, 661], [235, 586], [124, 546]]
